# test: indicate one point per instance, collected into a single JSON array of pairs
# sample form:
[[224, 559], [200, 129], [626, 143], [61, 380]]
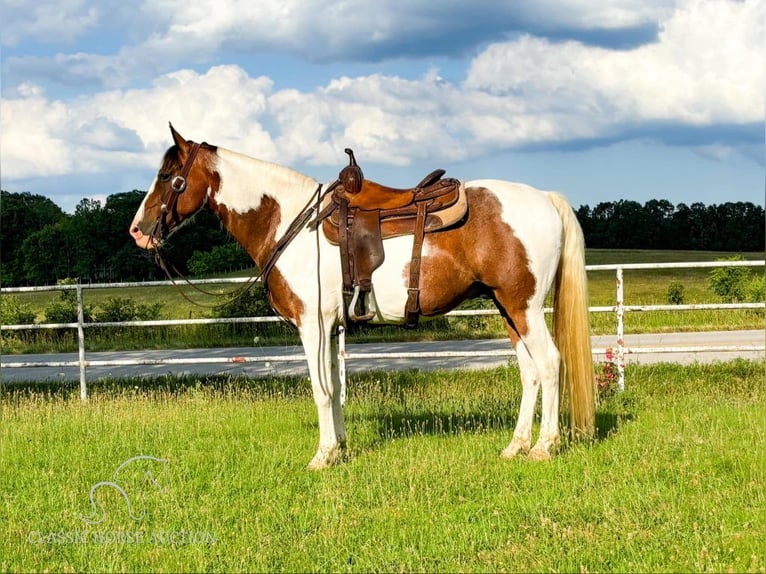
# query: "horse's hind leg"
[[522, 435], [547, 359], [539, 364]]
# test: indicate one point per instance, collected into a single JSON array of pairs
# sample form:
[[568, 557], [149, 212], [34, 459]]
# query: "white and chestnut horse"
[[515, 243]]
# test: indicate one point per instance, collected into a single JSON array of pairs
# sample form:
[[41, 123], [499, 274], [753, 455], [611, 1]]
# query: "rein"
[[178, 186], [300, 221]]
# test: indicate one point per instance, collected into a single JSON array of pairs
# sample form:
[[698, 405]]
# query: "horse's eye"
[[163, 177]]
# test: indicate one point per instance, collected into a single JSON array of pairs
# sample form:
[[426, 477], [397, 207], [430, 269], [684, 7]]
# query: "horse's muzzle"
[[143, 240]]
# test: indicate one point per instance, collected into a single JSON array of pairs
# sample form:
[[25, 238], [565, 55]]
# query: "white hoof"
[[544, 448], [325, 458], [514, 449], [539, 453]]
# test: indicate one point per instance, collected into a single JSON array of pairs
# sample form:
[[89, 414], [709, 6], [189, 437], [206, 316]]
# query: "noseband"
[[177, 187]]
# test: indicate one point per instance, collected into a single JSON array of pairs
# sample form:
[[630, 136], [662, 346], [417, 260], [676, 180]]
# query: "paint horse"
[[515, 243]]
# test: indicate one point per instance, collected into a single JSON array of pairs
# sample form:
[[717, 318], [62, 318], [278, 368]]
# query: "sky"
[[618, 99]]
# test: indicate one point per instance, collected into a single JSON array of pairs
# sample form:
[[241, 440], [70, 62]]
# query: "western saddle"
[[358, 214]]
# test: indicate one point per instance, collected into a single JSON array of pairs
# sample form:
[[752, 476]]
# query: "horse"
[[515, 244]]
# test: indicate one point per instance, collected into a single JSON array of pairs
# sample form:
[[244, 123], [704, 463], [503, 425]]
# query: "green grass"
[[675, 481]]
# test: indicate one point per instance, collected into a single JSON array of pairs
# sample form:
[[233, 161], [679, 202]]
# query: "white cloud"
[[706, 67], [33, 142], [322, 30], [47, 20], [162, 35], [387, 119], [368, 30], [119, 129], [589, 15]]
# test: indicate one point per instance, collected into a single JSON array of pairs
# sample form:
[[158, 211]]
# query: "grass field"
[[674, 482], [641, 287]]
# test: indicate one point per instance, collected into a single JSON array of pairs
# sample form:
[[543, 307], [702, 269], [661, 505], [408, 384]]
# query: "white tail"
[[571, 325]]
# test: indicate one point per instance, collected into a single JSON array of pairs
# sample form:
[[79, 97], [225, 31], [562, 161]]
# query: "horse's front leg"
[[321, 352], [337, 407]]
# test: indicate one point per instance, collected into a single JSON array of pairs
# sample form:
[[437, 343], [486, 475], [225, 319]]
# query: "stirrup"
[[352, 308]]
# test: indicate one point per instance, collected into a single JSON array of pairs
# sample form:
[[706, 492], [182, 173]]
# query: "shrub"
[[15, 312], [729, 283], [755, 290], [64, 309], [125, 309], [676, 294], [252, 303]]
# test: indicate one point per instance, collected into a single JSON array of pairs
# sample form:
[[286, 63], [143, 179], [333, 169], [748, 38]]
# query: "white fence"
[[619, 309]]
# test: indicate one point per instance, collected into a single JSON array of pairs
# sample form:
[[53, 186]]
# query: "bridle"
[[177, 187], [161, 229]]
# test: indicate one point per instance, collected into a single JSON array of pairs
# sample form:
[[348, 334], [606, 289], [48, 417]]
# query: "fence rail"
[[619, 309]]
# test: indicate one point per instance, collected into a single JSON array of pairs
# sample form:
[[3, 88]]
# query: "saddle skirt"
[[447, 206]]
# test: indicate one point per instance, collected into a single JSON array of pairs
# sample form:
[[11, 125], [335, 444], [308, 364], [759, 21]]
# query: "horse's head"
[[179, 190]]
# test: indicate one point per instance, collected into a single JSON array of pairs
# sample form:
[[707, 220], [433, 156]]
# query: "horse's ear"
[[178, 139]]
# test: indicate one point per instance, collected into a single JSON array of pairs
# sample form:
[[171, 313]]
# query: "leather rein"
[[178, 186]]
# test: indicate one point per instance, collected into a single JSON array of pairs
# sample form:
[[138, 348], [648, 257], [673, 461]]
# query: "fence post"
[[342, 362], [81, 342], [620, 355]]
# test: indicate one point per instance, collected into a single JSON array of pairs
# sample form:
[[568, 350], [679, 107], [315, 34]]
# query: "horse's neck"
[[257, 200], [245, 181]]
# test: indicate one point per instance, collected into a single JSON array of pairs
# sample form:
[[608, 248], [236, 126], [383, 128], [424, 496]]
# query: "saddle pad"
[[395, 225]]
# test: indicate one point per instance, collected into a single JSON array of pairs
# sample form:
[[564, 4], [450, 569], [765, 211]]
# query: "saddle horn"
[[351, 176]]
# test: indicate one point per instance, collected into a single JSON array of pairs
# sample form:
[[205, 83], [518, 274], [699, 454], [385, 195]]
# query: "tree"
[[658, 214], [584, 217], [701, 228], [738, 226], [21, 215], [680, 222], [226, 257], [41, 244], [602, 230], [89, 239], [125, 261], [47, 255], [203, 235], [630, 229]]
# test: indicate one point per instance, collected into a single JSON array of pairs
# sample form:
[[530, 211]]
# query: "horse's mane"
[[266, 169]]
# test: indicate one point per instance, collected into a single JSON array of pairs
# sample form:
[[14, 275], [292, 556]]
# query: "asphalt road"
[[253, 363]]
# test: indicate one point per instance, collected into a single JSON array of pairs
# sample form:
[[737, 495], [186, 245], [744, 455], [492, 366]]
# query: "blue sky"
[[625, 99]]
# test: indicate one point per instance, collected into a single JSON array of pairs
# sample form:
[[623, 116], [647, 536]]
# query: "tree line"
[[658, 224], [40, 244]]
